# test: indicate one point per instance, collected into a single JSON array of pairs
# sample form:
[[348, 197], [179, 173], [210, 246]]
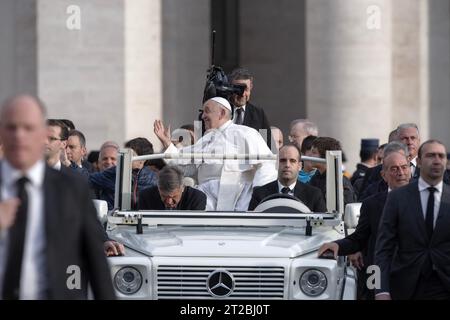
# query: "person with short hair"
[[300, 129], [55, 223], [408, 133], [171, 193], [109, 152], [104, 182], [92, 158], [76, 147], [319, 148], [308, 168], [360, 245], [289, 164], [368, 155], [56, 143], [373, 181], [244, 112], [413, 243]]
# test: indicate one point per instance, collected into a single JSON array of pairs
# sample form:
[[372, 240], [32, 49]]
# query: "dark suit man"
[[413, 243], [55, 232], [191, 199], [57, 134], [368, 155], [244, 112], [289, 166], [171, 194], [396, 172], [373, 181]]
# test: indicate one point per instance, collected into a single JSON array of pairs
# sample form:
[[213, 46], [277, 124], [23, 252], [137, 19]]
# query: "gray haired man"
[[171, 193]]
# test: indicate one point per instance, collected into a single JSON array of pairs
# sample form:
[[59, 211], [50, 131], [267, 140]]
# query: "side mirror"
[[351, 215], [102, 209]]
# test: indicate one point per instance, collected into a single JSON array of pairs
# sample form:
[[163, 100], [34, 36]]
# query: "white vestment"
[[228, 184]]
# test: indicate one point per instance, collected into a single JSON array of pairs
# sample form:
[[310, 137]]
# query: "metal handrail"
[[215, 156]]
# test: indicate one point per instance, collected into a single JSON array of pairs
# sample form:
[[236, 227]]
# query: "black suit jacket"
[[73, 238], [365, 235], [256, 118], [319, 180], [402, 226], [372, 175], [192, 199], [310, 196]]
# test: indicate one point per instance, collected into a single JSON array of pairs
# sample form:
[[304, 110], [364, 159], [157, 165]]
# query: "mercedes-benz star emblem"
[[220, 283]]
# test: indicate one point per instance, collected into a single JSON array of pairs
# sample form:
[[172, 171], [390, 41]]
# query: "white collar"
[[211, 132], [35, 173], [292, 186], [424, 185], [414, 162], [225, 125]]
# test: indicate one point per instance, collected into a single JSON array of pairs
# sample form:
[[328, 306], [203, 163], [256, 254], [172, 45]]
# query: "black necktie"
[[429, 218], [239, 115], [285, 190], [11, 285]]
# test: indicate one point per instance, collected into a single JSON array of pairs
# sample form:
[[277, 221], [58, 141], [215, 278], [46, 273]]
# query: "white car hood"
[[247, 242]]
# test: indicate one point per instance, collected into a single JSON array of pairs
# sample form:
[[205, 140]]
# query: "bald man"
[[228, 184], [54, 229]]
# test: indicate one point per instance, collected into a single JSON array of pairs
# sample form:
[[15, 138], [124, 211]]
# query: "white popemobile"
[[269, 253]]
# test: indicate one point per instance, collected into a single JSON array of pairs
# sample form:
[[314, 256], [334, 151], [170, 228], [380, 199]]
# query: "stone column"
[[18, 61], [143, 68], [409, 64], [272, 47], [349, 74], [438, 47], [185, 59], [81, 65]]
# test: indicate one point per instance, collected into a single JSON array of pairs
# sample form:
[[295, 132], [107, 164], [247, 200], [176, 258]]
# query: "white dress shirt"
[[424, 193], [413, 166], [292, 186], [33, 280]]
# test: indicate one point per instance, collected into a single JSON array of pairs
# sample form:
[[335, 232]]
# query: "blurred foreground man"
[[48, 230]]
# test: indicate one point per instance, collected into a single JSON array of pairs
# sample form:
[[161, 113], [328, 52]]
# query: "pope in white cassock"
[[228, 184]]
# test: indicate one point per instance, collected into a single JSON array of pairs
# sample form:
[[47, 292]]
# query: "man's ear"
[[63, 144], [223, 113]]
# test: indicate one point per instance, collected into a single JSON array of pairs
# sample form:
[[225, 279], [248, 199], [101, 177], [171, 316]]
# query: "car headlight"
[[313, 282], [128, 280]]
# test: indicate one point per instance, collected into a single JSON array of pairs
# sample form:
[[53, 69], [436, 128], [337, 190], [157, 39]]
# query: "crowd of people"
[[45, 168]]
